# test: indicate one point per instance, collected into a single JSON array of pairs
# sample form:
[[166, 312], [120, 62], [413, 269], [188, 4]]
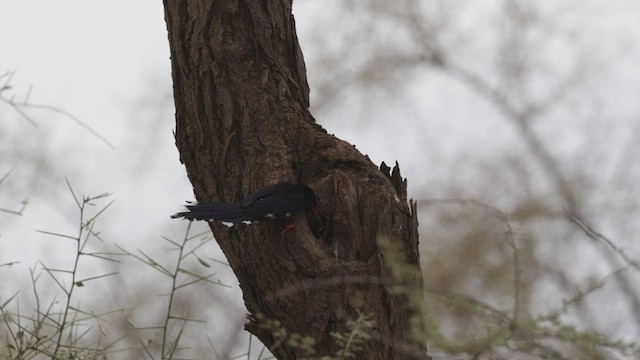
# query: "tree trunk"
[[242, 123]]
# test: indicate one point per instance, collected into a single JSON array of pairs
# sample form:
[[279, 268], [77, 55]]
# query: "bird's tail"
[[234, 213]]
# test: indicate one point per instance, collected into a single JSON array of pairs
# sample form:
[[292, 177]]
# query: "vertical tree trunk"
[[242, 123]]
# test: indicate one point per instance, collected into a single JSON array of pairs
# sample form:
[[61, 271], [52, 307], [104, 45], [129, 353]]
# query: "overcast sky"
[[108, 64]]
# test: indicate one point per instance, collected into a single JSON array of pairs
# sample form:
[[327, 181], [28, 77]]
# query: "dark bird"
[[279, 202]]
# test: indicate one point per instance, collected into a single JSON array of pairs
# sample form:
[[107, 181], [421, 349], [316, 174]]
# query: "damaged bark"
[[242, 123]]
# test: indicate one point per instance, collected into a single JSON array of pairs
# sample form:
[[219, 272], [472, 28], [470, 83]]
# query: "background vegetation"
[[516, 123]]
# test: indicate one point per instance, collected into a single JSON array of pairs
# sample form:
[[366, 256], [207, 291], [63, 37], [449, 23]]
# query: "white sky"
[[93, 59]]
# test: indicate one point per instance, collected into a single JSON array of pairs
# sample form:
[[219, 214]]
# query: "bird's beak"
[[317, 226], [316, 213]]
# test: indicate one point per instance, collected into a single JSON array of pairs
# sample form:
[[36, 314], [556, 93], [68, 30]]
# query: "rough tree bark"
[[242, 123]]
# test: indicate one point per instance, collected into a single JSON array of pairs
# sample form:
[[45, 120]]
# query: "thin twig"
[[19, 107], [595, 235]]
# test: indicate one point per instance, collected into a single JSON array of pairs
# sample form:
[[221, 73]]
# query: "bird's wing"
[[274, 201], [263, 193]]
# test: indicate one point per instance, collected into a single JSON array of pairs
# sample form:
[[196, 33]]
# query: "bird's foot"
[[287, 228]]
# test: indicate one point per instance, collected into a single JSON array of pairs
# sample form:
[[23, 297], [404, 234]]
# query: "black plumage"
[[280, 201]]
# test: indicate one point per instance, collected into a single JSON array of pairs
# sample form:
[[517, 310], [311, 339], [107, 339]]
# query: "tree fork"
[[242, 122]]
